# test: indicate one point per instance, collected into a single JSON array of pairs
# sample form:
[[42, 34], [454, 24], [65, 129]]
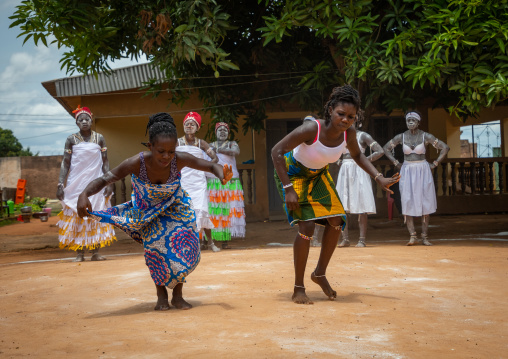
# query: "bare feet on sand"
[[162, 298], [180, 303], [299, 296], [325, 286]]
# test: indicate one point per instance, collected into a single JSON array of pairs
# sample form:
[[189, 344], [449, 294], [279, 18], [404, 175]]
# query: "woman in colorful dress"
[[160, 213], [354, 185], [301, 164], [417, 191], [85, 158], [194, 181], [226, 205]]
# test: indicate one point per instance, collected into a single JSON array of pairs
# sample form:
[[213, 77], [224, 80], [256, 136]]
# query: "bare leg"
[[411, 228], [300, 254], [81, 256], [362, 219], [330, 239], [162, 298], [178, 300], [345, 235], [425, 230]]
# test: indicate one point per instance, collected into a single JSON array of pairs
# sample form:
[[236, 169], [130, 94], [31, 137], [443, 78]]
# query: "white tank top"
[[317, 155]]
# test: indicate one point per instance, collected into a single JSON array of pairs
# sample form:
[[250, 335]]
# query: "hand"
[[228, 174], [108, 191], [291, 198], [398, 167], [60, 193], [84, 206], [386, 183]]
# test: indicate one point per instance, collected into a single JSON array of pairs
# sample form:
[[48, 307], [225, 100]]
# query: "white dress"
[[194, 183], [354, 186], [75, 232], [417, 191]]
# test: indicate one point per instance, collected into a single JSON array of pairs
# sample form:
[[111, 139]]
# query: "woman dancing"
[[160, 213], [301, 164]]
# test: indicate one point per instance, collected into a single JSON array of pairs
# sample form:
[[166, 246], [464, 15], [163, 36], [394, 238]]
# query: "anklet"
[[317, 276], [305, 237], [299, 286]]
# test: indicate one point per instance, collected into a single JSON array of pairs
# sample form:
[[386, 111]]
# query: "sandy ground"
[[444, 301]]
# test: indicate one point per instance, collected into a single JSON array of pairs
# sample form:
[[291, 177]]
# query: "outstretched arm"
[[439, 145], [130, 165], [187, 160], [365, 164]]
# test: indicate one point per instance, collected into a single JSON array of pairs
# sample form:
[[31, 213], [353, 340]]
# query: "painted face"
[[163, 150], [222, 133], [190, 127], [412, 123], [84, 121], [343, 115]]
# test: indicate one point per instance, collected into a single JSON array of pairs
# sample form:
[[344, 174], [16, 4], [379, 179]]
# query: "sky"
[[37, 120]]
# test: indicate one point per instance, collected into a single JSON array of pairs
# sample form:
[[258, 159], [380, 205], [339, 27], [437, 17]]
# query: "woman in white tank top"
[[417, 192], [301, 164]]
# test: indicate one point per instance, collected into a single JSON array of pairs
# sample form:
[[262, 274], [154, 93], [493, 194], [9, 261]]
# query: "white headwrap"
[[413, 115]]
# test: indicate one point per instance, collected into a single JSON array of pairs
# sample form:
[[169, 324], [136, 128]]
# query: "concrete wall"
[[41, 174], [10, 171]]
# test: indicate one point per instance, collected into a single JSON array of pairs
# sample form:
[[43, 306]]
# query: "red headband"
[[81, 110], [193, 116], [219, 124]]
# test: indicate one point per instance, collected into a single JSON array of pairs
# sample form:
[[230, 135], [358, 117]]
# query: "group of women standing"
[[169, 206]]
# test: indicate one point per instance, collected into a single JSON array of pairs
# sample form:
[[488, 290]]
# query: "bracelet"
[[436, 163], [60, 184], [395, 163], [287, 185], [377, 175]]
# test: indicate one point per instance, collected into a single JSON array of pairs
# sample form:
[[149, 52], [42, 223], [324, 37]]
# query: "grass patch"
[[6, 222]]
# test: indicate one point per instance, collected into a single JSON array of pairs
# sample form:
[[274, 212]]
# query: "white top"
[[318, 155]]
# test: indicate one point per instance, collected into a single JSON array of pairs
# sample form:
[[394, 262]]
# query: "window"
[[480, 141]]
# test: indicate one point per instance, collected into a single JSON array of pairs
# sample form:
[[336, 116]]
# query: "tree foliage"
[[242, 57], [10, 146]]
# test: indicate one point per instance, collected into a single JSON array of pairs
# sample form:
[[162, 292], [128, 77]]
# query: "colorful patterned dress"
[[225, 202], [161, 217], [317, 196], [74, 232]]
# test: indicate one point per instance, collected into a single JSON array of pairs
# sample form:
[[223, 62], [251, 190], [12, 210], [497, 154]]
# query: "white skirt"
[[354, 187], [417, 191]]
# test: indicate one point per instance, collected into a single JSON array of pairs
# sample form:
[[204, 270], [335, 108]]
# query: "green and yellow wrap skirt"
[[317, 196]]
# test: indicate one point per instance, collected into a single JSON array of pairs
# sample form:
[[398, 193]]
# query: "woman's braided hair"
[[342, 94], [161, 124]]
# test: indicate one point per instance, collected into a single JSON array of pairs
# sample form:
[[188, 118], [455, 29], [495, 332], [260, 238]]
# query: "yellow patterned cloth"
[[317, 196]]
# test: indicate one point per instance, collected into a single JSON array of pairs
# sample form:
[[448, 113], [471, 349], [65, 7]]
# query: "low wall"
[[40, 172]]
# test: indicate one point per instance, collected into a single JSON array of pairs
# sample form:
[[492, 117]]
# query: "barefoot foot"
[[162, 304], [344, 243], [180, 303], [299, 296], [325, 286]]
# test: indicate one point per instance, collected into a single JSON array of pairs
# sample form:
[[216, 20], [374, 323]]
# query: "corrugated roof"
[[120, 79]]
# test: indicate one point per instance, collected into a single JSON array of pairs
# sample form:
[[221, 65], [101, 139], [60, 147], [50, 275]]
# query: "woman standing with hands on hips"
[[301, 164], [417, 192], [160, 214]]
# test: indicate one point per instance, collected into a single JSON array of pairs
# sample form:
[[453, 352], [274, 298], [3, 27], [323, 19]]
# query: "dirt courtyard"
[[394, 301]]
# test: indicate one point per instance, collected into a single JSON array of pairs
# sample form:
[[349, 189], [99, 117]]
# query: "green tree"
[[10, 146], [398, 53]]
